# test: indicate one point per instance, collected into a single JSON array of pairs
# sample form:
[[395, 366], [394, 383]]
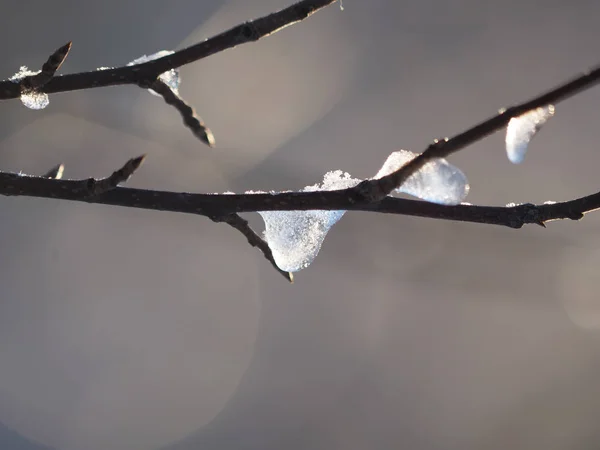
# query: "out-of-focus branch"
[[146, 73]]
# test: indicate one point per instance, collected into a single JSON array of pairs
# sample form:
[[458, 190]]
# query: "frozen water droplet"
[[30, 98], [170, 77], [520, 131], [295, 237], [35, 100], [438, 181]]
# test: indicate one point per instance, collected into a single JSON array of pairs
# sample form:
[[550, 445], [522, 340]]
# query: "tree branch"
[[145, 74], [242, 225], [92, 190], [370, 195], [189, 116], [374, 190], [219, 207]]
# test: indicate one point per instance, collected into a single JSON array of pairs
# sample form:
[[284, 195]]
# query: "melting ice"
[[521, 129], [295, 237], [438, 181]]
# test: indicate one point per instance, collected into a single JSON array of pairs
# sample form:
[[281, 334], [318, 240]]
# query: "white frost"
[[170, 77], [438, 181], [295, 237], [520, 131], [30, 98]]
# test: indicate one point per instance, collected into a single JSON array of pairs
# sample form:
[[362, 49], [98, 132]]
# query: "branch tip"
[[94, 187], [136, 162], [206, 136], [56, 172], [56, 59], [48, 69], [188, 114], [576, 215], [239, 223]]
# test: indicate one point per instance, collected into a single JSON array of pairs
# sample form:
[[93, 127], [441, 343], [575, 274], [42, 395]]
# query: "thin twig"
[[100, 186], [121, 175], [189, 116], [374, 190], [81, 190], [147, 72], [242, 225]]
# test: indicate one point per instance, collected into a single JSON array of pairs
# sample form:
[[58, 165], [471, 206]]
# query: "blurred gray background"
[[133, 330]]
